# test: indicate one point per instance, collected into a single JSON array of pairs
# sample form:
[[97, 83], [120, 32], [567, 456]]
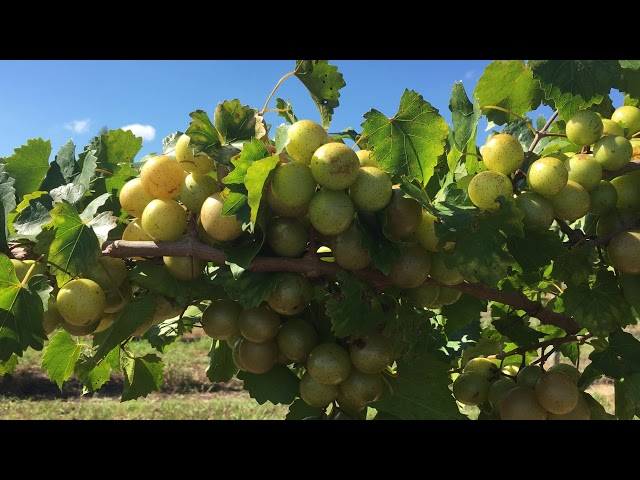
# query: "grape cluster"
[[530, 394]]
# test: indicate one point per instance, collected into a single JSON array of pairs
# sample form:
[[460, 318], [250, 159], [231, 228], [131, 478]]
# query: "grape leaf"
[[255, 180], [575, 265], [574, 85], [464, 116], [536, 249], [241, 254], [625, 406], [8, 199], [9, 367], [121, 174], [90, 210], [88, 171], [236, 203], [299, 410], [206, 138], [630, 85], [517, 330], [142, 375], [630, 64], [324, 82], [252, 152], [510, 85], [381, 250], [60, 357], [234, 122], [278, 385], [62, 169], [110, 149], [622, 357], [356, 309], [21, 311], [250, 290], [462, 312], [420, 391], [600, 307], [29, 165], [102, 224], [134, 314], [596, 409], [520, 130], [285, 110], [70, 192], [69, 245], [93, 378], [410, 142], [221, 368], [630, 285]]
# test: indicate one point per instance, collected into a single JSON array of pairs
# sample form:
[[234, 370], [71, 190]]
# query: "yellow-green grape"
[[411, 268], [257, 357], [572, 202], [547, 176], [425, 295], [108, 272], [291, 294], [538, 211], [220, 319], [372, 189], [609, 127], [281, 209], [184, 268], [486, 187], [305, 137], [161, 177], [23, 266], [628, 116], [118, 298], [471, 388], [258, 324], [371, 353], [134, 232], [348, 251], [79, 330], [557, 392], [359, 389], [107, 320], [331, 211], [448, 296], [584, 127], [498, 390], [219, 227], [613, 152], [402, 215], [521, 403], [293, 184], [329, 364], [624, 252], [316, 394], [628, 190], [296, 338], [366, 160], [334, 166], [502, 153], [164, 220], [81, 301], [603, 198], [425, 232], [287, 236], [133, 197], [195, 189], [443, 274], [584, 169], [580, 412], [189, 160]]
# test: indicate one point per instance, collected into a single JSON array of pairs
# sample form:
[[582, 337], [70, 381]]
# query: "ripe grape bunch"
[[410, 275]]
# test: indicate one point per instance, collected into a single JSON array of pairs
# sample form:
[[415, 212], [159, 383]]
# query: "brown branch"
[[313, 266]]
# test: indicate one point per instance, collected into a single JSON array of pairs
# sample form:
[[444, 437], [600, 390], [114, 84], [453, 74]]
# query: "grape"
[[411, 268], [305, 137], [348, 251], [572, 202], [162, 176], [584, 127], [372, 189], [257, 357], [585, 170], [365, 158], [371, 353], [296, 338], [612, 152], [538, 210], [316, 394], [287, 237], [557, 392], [133, 197], [258, 324], [220, 319], [184, 268], [547, 176], [486, 187], [628, 116], [521, 403], [335, 166], [502, 153], [329, 364], [293, 184], [195, 189], [402, 215], [164, 220], [331, 211], [624, 251], [81, 301], [603, 198], [190, 160], [291, 295], [219, 227]]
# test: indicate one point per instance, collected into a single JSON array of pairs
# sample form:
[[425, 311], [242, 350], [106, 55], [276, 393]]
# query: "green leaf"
[[221, 368], [624, 399], [420, 391], [110, 149], [285, 110], [510, 85], [630, 64], [630, 285], [69, 245], [142, 375], [236, 203], [574, 85], [381, 250], [324, 83], [21, 312], [60, 357], [252, 152], [278, 385], [299, 410], [242, 254], [630, 85], [600, 307], [70, 192], [9, 367], [621, 358], [134, 314], [517, 330], [202, 132], [536, 249], [410, 142], [356, 309], [464, 116], [462, 312], [596, 409], [93, 378], [65, 162], [256, 177], [575, 265], [250, 290], [88, 171], [28, 165], [8, 199], [233, 122]]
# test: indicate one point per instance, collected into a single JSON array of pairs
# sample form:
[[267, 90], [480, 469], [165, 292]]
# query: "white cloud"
[[147, 132], [78, 126]]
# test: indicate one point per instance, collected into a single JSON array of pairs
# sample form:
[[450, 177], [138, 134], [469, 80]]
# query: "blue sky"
[[62, 100]]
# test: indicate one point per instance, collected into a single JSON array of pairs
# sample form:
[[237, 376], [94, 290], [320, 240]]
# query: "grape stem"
[[312, 266]]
